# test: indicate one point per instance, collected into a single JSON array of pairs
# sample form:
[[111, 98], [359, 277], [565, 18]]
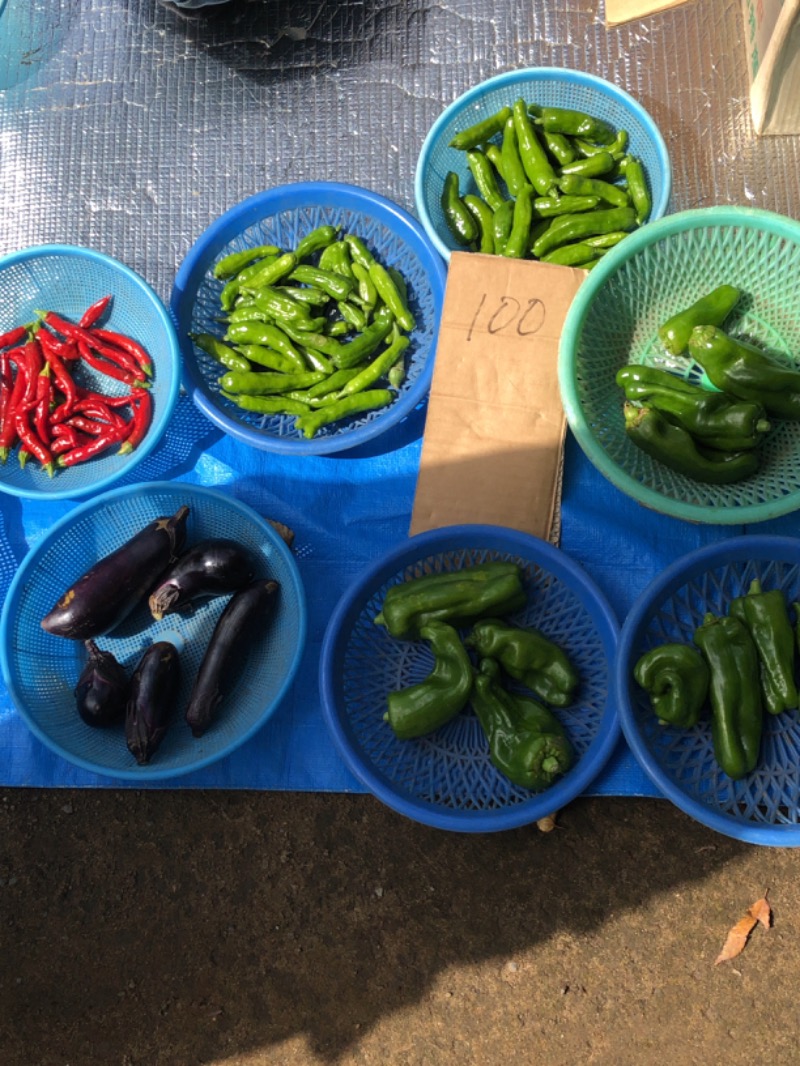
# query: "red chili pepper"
[[112, 370], [94, 313], [30, 361], [90, 425], [90, 340], [94, 447], [41, 412], [99, 410], [51, 344], [109, 401], [13, 336], [69, 389], [8, 427], [68, 434], [140, 423], [31, 442], [128, 344]]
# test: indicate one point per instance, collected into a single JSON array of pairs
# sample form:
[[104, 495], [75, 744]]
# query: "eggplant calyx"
[[162, 600]]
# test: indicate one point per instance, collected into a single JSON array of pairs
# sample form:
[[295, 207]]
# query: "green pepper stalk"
[[746, 372], [676, 678], [710, 310], [734, 692], [714, 419], [677, 449], [766, 616], [529, 657], [425, 707], [527, 743]]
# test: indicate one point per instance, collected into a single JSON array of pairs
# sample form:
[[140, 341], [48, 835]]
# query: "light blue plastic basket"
[[764, 807], [40, 670], [67, 280], [551, 87], [282, 216], [446, 779]]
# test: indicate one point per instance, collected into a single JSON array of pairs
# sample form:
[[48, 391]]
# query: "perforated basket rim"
[[533, 74], [680, 222], [144, 774], [153, 436], [733, 549], [453, 538], [248, 213]]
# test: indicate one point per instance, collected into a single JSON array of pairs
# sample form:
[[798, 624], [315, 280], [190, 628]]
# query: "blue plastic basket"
[[67, 280], [282, 216], [40, 670], [764, 807], [446, 780], [551, 87]]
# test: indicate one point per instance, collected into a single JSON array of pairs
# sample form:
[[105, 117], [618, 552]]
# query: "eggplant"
[[107, 593], [151, 699], [102, 689], [211, 568], [244, 618]]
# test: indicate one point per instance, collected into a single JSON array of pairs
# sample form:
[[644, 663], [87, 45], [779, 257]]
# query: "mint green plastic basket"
[[614, 319]]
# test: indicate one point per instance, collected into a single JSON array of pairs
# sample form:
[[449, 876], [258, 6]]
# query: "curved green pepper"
[[513, 171], [484, 216], [576, 185], [676, 678], [766, 616], [535, 163], [459, 220], [527, 742], [714, 419], [234, 262], [637, 187], [516, 246], [481, 131], [457, 597], [734, 691], [673, 446], [573, 123], [529, 657], [420, 709], [746, 372], [710, 310], [483, 174], [571, 228]]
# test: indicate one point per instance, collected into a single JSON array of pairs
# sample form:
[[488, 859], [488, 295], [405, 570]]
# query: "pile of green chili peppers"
[[710, 435], [740, 666], [318, 332], [547, 183], [506, 672]]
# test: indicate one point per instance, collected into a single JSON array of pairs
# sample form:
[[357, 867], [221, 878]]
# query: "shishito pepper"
[[710, 310], [746, 372], [420, 709], [529, 657], [527, 742], [456, 596], [676, 678], [734, 692], [766, 616], [713, 418]]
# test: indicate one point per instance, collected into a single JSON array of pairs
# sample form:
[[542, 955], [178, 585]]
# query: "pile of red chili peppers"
[[43, 405]]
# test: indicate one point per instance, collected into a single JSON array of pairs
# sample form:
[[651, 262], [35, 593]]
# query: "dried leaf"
[[759, 912]]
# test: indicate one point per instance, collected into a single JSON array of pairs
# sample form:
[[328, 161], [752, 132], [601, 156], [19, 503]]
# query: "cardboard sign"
[[618, 11], [494, 431], [772, 40]]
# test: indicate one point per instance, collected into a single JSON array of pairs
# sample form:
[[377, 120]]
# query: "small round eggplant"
[[107, 593], [102, 689], [211, 568], [151, 700], [243, 620]]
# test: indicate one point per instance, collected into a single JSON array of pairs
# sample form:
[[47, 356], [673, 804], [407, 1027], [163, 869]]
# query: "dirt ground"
[[180, 928]]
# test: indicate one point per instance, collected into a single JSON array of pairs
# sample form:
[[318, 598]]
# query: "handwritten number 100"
[[511, 315]]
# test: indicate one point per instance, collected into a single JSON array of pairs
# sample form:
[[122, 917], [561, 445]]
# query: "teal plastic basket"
[[614, 320]]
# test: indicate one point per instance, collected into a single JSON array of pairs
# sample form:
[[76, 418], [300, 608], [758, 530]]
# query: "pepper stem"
[[550, 765]]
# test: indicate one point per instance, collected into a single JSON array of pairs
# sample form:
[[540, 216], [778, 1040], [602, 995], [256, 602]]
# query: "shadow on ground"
[[182, 928]]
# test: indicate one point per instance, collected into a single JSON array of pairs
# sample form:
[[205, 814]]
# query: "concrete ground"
[[181, 928]]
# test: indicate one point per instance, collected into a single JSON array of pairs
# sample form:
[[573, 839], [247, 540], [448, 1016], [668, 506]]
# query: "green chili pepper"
[[637, 187], [459, 221], [593, 166], [266, 335], [571, 228], [677, 449], [676, 678], [573, 123], [734, 693], [270, 273], [365, 344], [231, 291], [258, 383], [337, 286], [306, 294], [484, 177], [358, 251], [335, 259], [529, 657], [484, 216], [606, 240], [390, 294], [425, 707], [527, 743], [232, 263], [276, 304], [267, 405], [367, 292], [576, 185], [220, 351], [331, 384], [495, 156], [354, 317], [362, 402], [315, 241], [481, 131], [710, 310], [457, 597], [378, 368], [271, 359], [559, 147], [516, 247], [502, 220], [765, 614], [573, 254], [535, 163], [714, 419], [513, 171], [553, 206]]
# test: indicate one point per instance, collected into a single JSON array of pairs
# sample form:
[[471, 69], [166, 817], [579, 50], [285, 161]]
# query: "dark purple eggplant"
[[151, 699], [210, 568], [102, 689], [108, 592], [244, 619]]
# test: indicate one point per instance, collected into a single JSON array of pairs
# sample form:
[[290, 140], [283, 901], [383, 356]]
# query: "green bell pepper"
[[766, 616], [676, 678], [710, 310], [529, 657]]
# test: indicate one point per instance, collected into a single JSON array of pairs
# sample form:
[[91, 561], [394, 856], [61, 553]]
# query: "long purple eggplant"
[[151, 700], [211, 568], [107, 593], [101, 692], [244, 620]]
